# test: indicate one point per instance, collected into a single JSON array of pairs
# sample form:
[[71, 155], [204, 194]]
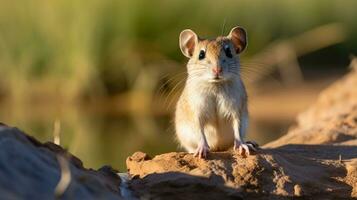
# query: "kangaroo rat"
[[211, 113]]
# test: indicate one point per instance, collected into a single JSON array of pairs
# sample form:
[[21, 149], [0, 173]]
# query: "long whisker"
[[171, 93], [159, 92], [254, 71], [249, 73], [188, 80], [170, 79], [192, 72]]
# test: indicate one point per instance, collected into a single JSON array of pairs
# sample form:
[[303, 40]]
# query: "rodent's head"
[[214, 60]]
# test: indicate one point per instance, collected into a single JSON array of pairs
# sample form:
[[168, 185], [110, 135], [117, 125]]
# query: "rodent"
[[211, 113]]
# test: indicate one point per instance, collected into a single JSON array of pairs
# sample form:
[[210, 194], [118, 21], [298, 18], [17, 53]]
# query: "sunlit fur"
[[213, 103]]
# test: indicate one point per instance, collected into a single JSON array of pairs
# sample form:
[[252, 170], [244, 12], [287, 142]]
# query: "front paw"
[[202, 151], [245, 148]]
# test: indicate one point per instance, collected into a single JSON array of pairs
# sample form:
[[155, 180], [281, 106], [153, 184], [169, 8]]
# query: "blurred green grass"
[[64, 54], [96, 48]]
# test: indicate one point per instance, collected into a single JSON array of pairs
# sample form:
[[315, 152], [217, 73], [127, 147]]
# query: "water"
[[109, 138]]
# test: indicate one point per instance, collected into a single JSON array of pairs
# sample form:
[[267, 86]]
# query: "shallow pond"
[[109, 138]]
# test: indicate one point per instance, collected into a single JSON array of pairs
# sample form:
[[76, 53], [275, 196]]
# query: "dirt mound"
[[31, 170], [316, 158], [332, 119]]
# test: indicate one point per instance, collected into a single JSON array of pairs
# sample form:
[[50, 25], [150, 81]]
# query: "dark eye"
[[228, 52], [202, 55]]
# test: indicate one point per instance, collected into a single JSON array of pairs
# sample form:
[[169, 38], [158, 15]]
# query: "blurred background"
[[103, 76]]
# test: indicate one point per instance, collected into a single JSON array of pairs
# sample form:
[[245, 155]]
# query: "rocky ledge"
[[316, 159], [33, 170]]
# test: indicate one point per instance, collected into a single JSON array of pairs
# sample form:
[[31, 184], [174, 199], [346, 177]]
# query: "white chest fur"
[[216, 101]]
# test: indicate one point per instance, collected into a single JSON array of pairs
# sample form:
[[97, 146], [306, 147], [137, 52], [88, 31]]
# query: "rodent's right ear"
[[188, 41], [238, 35]]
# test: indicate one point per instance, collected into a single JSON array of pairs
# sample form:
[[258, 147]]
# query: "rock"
[[331, 120], [316, 159], [30, 170]]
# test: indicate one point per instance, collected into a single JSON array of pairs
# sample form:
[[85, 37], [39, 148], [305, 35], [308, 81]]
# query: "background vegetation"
[[105, 74]]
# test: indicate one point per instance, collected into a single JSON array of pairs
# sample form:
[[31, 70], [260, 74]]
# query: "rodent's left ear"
[[188, 41], [238, 36]]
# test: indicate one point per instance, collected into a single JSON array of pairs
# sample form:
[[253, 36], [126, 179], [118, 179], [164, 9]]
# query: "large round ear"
[[188, 41], [238, 36]]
